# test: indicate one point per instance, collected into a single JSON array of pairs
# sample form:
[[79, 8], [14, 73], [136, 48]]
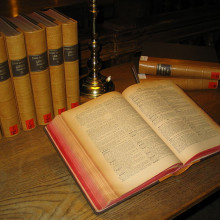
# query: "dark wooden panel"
[[13, 7], [123, 25]]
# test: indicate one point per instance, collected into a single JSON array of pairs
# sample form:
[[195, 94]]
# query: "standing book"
[[55, 57], [71, 59], [8, 107], [120, 144], [20, 74], [35, 41]]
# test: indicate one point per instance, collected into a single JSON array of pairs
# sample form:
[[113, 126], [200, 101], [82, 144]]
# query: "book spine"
[[56, 65], [40, 75], [178, 70], [71, 63], [21, 80], [184, 83], [8, 107]]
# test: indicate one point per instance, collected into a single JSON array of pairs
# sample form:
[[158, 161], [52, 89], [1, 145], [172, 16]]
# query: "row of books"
[[187, 74], [39, 69]]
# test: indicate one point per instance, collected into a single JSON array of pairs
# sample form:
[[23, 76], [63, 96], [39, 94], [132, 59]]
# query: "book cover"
[[55, 58], [71, 59], [177, 60], [184, 83], [35, 41], [10, 123], [20, 75]]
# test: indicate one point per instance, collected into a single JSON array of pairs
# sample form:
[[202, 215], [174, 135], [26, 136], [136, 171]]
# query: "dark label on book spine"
[[19, 67], [70, 53], [38, 62], [56, 57], [164, 69], [4, 71]]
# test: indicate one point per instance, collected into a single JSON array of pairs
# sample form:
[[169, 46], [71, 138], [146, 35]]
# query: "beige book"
[[35, 41], [120, 144], [179, 68], [55, 57], [71, 60], [184, 83], [20, 74], [8, 107]]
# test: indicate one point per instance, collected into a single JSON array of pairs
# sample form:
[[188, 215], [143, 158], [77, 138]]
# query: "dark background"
[[124, 25]]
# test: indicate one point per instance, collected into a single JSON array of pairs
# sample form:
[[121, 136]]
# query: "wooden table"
[[35, 183]]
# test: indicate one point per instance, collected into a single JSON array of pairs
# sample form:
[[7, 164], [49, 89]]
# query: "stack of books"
[[39, 69], [187, 74]]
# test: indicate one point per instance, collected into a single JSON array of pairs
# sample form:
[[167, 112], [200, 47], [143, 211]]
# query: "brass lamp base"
[[95, 84], [92, 87]]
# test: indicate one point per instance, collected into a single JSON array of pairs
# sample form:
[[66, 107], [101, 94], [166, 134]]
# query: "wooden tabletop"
[[36, 184]]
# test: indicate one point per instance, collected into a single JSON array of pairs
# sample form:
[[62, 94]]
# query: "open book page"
[[119, 142], [79, 163], [180, 123]]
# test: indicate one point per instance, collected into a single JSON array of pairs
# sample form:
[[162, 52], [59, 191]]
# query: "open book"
[[120, 144]]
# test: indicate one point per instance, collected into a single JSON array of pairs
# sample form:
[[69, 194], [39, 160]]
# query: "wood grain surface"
[[36, 184]]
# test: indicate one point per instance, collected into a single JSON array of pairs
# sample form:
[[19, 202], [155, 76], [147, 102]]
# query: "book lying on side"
[[184, 83], [120, 144], [179, 68]]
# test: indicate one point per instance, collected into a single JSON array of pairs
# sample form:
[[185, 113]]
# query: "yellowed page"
[[120, 143], [91, 175], [180, 123]]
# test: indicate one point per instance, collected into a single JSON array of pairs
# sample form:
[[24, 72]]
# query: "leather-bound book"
[[176, 60], [55, 57], [71, 60], [20, 74], [184, 83], [179, 68], [36, 45], [8, 108]]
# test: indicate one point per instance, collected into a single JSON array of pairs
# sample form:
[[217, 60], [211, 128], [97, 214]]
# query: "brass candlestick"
[[94, 84]]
